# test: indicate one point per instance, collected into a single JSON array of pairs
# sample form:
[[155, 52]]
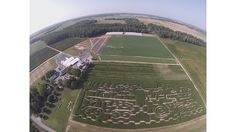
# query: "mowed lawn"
[[135, 46], [193, 59], [58, 119]]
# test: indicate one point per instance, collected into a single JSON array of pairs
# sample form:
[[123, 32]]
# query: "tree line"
[[89, 28], [175, 35]]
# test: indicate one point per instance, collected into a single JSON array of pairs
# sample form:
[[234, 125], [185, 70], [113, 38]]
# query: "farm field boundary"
[[41, 56], [137, 96], [197, 124], [193, 58], [138, 59], [135, 46], [195, 86], [135, 62]]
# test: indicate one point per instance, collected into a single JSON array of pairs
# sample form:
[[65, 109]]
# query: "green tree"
[[42, 89], [60, 82], [67, 83], [75, 72], [74, 84]]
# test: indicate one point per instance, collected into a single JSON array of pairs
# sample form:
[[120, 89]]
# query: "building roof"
[[70, 61], [114, 33], [125, 33], [133, 33]]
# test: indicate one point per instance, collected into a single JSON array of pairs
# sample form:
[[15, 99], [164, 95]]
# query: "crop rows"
[[133, 106]]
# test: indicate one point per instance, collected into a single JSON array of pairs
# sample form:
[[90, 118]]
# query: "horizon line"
[[90, 15]]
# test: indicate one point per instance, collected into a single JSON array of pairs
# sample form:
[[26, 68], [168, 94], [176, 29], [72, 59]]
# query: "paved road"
[[39, 123]]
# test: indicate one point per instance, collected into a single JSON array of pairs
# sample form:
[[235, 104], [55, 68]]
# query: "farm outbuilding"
[[114, 33], [133, 34], [70, 61], [125, 33]]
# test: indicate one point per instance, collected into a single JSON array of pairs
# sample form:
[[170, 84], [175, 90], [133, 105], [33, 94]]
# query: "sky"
[[44, 13]]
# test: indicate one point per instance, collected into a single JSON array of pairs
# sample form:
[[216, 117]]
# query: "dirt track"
[[98, 43]]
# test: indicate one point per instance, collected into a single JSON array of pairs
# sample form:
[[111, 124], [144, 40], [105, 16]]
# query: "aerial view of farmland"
[[119, 72]]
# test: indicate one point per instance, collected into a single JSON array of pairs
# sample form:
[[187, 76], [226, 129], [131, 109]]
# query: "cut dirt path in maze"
[[197, 124]]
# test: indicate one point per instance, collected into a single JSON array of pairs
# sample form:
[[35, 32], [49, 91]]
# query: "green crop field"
[[36, 46], [139, 59], [67, 43], [58, 119], [193, 59], [133, 96], [135, 46], [41, 56], [143, 74]]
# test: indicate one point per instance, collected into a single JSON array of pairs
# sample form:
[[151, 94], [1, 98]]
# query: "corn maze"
[[133, 106]]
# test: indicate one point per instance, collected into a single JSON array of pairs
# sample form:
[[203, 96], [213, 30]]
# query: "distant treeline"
[[175, 35], [89, 28]]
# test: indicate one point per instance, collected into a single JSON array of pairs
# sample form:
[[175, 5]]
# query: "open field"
[[58, 119], [39, 72], [193, 59], [135, 46], [128, 96], [36, 46], [42, 70], [83, 45], [35, 76], [72, 51], [143, 74], [139, 59], [41, 56], [65, 44], [53, 63]]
